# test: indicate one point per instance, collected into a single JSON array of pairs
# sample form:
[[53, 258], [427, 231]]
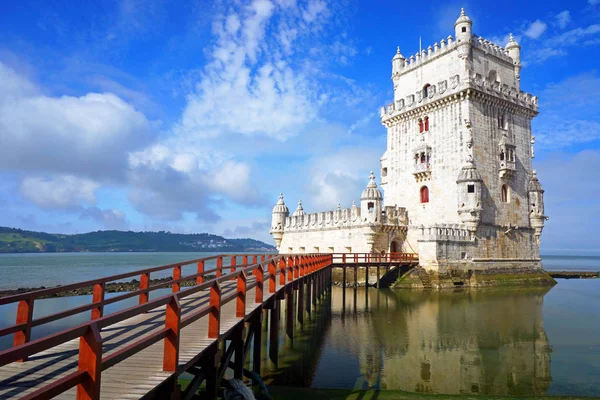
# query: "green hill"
[[14, 240]]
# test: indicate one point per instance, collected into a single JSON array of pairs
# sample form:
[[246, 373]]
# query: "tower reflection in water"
[[453, 342]]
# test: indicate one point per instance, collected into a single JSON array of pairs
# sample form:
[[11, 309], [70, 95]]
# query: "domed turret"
[[397, 63], [514, 52], [280, 213], [536, 205], [299, 211], [371, 202], [462, 27], [469, 196]]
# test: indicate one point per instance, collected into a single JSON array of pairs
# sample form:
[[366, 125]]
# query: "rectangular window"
[[470, 188]]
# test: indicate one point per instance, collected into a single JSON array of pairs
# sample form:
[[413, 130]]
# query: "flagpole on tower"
[[420, 47]]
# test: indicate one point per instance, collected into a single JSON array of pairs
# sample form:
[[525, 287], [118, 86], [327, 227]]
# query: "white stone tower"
[[458, 154]]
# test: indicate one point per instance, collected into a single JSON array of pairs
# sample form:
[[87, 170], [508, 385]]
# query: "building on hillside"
[[457, 173]]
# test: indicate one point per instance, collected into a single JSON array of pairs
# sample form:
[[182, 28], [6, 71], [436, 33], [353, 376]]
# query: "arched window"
[[370, 205], [426, 124], [426, 91], [424, 194], [501, 120], [493, 76], [505, 194], [502, 155], [420, 125]]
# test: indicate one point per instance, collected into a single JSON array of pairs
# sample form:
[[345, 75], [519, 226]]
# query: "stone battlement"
[[444, 232], [491, 48], [445, 88]]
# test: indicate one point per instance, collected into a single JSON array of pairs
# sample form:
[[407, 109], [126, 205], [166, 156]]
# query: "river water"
[[495, 341]]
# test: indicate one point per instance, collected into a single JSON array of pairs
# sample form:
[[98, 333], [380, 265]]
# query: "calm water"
[[496, 342]]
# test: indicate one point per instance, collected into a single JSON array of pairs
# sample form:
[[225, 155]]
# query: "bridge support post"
[[315, 292], [289, 316], [301, 303], [308, 285], [274, 335], [356, 275], [257, 343], [344, 276], [237, 341]]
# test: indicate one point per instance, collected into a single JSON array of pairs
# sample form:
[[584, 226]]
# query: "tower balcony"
[[422, 171], [507, 169]]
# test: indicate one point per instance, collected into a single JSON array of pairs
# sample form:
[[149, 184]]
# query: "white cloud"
[[593, 2], [59, 192], [89, 135], [340, 177], [248, 88], [109, 218], [535, 29], [563, 18], [569, 112], [558, 45]]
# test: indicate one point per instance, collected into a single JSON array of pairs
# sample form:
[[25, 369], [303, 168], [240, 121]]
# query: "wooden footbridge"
[[140, 351]]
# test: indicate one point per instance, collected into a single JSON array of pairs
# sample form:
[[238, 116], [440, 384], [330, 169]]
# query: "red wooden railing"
[[25, 321], [91, 362], [343, 258]]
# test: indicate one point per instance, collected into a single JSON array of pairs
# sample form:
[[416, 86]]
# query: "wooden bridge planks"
[[136, 375]]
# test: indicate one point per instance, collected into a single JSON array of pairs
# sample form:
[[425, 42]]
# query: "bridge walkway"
[[140, 351], [137, 375]]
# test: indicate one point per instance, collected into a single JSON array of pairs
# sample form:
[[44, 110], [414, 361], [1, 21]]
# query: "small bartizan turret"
[[514, 52], [462, 32], [371, 202], [280, 213], [469, 196], [536, 206]]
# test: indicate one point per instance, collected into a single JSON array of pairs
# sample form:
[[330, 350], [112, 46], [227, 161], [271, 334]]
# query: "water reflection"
[[468, 342]]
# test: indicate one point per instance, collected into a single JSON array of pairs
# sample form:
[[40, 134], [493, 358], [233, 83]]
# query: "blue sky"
[[192, 116]]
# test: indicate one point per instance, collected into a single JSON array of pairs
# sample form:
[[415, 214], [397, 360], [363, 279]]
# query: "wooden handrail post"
[[219, 266], [144, 284], [171, 342], [254, 259], [241, 296], [355, 257], [98, 297], [259, 273], [262, 258], [343, 258], [296, 267], [245, 261], [272, 273], [90, 361], [290, 269], [24, 316], [282, 271], [214, 318], [200, 278], [176, 275], [233, 264]]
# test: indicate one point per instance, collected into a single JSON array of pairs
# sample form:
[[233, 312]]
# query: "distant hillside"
[[20, 241]]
